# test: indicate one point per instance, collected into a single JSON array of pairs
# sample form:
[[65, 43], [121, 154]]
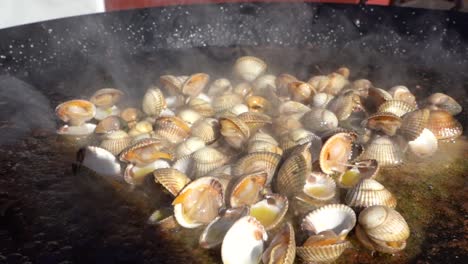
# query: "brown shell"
[[258, 104], [255, 121], [396, 107], [444, 102], [282, 249], [383, 149], [131, 115], [207, 129], [294, 171], [370, 192], [336, 152], [258, 161], [76, 112], [234, 130], [195, 84], [386, 122], [375, 97], [282, 83], [173, 129], [203, 107], [173, 180], [325, 253], [138, 152], [106, 97], [109, 124], [413, 123], [443, 125], [344, 104], [172, 84], [301, 91]]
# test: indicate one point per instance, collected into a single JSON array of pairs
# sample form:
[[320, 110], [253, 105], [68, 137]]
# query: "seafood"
[[383, 149], [246, 189], [249, 68], [153, 102], [75, 112], [336, 152], [443, 102], [370, 192], [107, 97], [270, 211], [145, 151], [443, 125], [282, 248]]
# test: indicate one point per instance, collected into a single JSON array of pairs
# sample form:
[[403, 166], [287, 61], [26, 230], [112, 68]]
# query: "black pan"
[[47, 215]]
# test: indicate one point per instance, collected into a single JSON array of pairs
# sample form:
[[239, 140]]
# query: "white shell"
[[425, 145], [77, 131], [135, 175], [189, 146], [102, 113], [101, 161], [189, 116], [243, 243], [336, 217]]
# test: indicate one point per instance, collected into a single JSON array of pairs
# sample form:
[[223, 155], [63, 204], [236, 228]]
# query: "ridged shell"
[[413, 123], [444, 102], [258, 161], [386, 122], [237, 110], [443, 125], [189, 116], [116, 141], [375, 98], [336, 152], [338, 218], [292, 107], [285, 123], [258, 104], [370, 192], [293, 138], [371, 245], [246, 189], [189, 146], [225, 102], [135, 175], [270, 211], [234, 130], [194, 85], [208, 159], [326, 253], [402, 93], [301, 91], [207, 129], [199, 202], [255, 121], [75, 112], [384, 223], [153, 102], [173, 180], [319, 120], [294, 171], [383, 149], [336, 82], [219, 87], [398, 108], [215, 231], [172, 84], [243, 243], [249, 68], [320, 186], [264, 82], [425, 145], [282, 249], [321, 100], [344, 104], [263, 146], [106, 97], [173, 129], [145, 151], [201, 106], [109, 124], [282, 82]]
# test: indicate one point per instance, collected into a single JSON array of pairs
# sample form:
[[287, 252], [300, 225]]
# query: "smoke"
[[22, 108]]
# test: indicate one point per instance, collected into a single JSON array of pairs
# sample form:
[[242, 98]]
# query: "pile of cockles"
[[256, 163]]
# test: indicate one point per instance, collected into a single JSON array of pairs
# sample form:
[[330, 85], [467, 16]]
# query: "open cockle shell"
[[443, 125], [370, 192], [106, 97], [282, 249], [173, 180], [338, 218], [386, 122], [296, 137], [383, 149], [194, 85], [249, 68], [75, 112], [76, 133], [246, 189], [258, 161], [199, 202], [270, 211], [153, 102], [336, 152], [344, 104], [214, 232], [384, 223], [301, 91], [135, 175], [234, 130], [201, 106], [357, 172], [145, 151], [399, 108], [172, 84], [172, 129], [243, 243], [402, 93], [375, 97], [109, 124], [320, 186]]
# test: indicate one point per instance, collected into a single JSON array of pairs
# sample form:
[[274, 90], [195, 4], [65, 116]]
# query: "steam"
[[22, 108]]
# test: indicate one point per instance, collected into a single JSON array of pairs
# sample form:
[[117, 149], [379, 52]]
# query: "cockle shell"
[[194, 85], [270, 211], [344, 104], [444, 102], [369, 192], [258, 104], [225, 102], [396, 107], [106, 97], [383, 149], [145, 151], [301, 91], [76, 133], [375, 98], [173, 129], [282, 83], [189, 116], [319, 120], [258, 161], [201, 106], [153, 102], [199, 202], [296, 137], [246, 189], [255, 121], [322, 253], [413, 123], [249, 68], [189, 146], [321, 100], [391, 248], [173, 180], [336, 152], [292, 107], [109, 124], [116, 141], [75, 112], [142, 127], [402, 93], [263, 83], [135, 175], [243, 243], [282, 248], [294, 171], [338, 218], [172, 84], [207, 129], [243, 89], [320, 186], [234, 130], [443, 125], [219, 87], [386, 122], [207, 159]]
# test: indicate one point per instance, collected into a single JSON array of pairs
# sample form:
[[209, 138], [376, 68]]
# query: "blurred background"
[[18, 12]]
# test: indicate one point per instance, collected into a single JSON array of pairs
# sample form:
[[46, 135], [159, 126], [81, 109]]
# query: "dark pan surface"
[[49, 216]]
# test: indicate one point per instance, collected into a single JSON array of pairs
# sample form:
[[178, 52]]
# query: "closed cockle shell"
[[173, 129], [321, 100], [201, 106], [323, 253], [338, 218], [270, 211], [443, 125], [234, 130], [292, 107], [153, 102], [106, 97], [219, 87], [282, 82], [383, 149], [246, 189], [194, 85], [249, 68], [402, 93], [413, 123], [135, 175], [294, 171], [369, 192], [207, 129], [189, 146], [131, 115], [319, 120], [396, 107], [75, 112], [215, 231], [243, 89], [293, 138], [243, 243], [301, 91], [172, 84], [225, 102], [207, 159], [258, 161], [336, 82], [391, 248], [173, 180], [109, 124], [443, 102], [255, 121], [336, 152], [264, 83], [199, 202], [282, 248], [319, 82], [189, 116], [344, 104], [116, 141], [384, 224]]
